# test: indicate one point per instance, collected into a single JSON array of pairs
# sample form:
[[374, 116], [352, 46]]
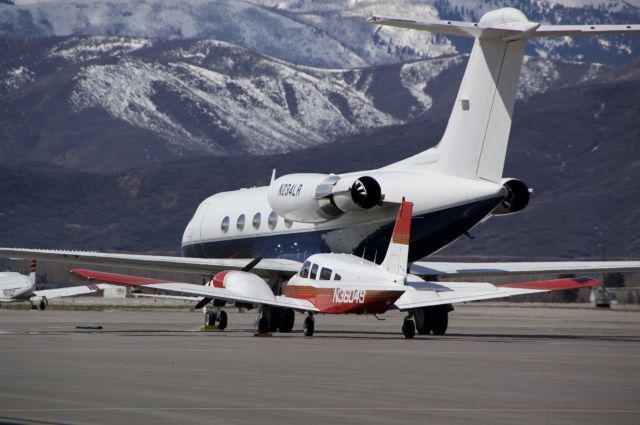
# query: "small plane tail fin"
[[32, 272], [397, 258], [474, 144]]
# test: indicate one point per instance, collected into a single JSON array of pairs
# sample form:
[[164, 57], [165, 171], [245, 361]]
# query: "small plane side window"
[[314, 271], [288, 223], [325, 274], [224, 226], [273, 220], [240, 223], [304, 271], [337, 277], [256, 221]]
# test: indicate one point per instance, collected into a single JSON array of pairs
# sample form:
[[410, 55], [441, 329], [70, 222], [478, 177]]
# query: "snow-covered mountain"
[[330, 33], [95, 103]]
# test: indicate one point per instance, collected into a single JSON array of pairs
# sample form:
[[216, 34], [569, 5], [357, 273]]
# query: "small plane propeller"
[[248, 267]]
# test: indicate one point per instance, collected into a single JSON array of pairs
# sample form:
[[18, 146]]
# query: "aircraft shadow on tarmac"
[[350, 334]]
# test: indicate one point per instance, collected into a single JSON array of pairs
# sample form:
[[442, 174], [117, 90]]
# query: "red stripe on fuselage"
[[345, 300]]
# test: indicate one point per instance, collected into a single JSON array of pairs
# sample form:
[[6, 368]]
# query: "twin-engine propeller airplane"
[[343, 284], [16, 287], [454, 186]]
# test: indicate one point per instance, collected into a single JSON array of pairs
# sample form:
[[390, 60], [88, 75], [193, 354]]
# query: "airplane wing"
[[425, 294], [445, 269], [69, 291], [155, 262], [190, 289]]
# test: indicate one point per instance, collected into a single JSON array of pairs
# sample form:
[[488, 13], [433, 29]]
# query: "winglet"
[[398, 252]]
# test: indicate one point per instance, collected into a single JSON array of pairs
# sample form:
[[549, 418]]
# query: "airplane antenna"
[[273, 175]]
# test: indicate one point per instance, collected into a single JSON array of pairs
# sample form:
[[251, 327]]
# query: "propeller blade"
[[251, 265], [203, 302]]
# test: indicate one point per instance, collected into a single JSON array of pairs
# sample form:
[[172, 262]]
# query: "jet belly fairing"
[[241, 223]]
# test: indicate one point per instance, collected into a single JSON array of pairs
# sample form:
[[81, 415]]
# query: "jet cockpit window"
[[273, 220], [224, 226], [240, 223], [314, 271], [337, 277], [325, 274], [288, 223], [304, 271], [256, 221]]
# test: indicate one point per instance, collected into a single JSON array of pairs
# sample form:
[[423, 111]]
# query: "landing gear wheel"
[[309, 325], [441, 323], [275, 318], [210, 318], [263, 325], [408, 328], [423, 321], [287, 320], [222, 320], [42, 305]]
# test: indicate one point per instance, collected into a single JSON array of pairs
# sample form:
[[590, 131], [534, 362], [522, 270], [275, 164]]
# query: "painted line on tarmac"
[[325, 408]]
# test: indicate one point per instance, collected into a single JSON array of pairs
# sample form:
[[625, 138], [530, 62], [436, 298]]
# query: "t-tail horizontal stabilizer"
[[474, 143]]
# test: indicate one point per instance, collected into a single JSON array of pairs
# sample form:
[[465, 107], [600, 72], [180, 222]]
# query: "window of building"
[[240, 223], [325, 274], [256, 221], [314, 271], [273, 220], [304, 271], [224, 226]]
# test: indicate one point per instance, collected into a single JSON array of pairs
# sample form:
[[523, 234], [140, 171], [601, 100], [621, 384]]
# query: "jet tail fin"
[[397, 258], [474, 144]]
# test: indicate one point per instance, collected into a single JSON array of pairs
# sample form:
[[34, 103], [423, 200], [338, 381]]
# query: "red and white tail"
[[32, 272], [397, 257]]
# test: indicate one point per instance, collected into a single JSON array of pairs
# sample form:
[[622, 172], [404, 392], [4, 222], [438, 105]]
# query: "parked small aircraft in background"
[[16, 287], [342, 284]]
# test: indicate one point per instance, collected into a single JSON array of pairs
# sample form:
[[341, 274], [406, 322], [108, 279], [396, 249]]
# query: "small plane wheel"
[[287, 320], [309, 325], [408, 328], [210, 318], [43, 305], [222, 320], [263, 325]]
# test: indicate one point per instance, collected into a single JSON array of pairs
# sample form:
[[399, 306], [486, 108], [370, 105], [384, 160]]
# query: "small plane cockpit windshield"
[[325, 274], [314, 271], [304, 271]]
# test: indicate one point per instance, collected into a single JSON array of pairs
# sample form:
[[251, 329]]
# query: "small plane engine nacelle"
[[244, 283], [314, 198], [517, 198]]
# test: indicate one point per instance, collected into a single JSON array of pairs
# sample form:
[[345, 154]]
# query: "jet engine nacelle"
[[517, 197], [315, 198]]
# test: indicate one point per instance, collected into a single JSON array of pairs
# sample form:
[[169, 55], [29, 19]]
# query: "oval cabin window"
[[240, 223], [273, 220], [225, 225], [256, 221]]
